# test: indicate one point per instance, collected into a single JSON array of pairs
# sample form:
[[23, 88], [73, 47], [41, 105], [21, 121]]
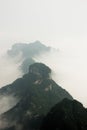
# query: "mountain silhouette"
[[37, 93], [66, 115]]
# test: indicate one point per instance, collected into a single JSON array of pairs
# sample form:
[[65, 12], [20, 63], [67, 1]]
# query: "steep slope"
[[36, 93], [66, 115]]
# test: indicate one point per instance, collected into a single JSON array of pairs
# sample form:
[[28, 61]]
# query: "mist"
[[69, 70], [9, 72], [9, 69], [7, 102]]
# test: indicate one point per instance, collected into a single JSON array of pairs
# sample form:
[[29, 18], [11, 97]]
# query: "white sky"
[[58, 23], [55, 22]]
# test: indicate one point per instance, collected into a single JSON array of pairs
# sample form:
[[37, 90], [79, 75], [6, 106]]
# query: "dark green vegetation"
[[38, 93], [66, 115]]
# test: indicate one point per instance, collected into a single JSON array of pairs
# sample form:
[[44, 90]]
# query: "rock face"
[[37, 94], [40, 70], [66, 115]]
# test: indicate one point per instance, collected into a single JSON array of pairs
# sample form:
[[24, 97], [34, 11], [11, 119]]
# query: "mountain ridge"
[[37, 93], [66, 115]]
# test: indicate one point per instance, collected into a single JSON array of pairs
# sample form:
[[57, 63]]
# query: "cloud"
[[7, 102], [9, 69]]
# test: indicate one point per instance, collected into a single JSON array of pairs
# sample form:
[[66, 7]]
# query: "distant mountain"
[[66, 115], [28, 52], [37, 94]]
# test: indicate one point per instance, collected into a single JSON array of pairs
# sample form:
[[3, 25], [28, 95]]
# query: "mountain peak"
[[40, 69], [37, 93]]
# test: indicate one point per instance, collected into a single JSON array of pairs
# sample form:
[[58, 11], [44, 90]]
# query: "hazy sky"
[[61, 23], [58, 23]]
